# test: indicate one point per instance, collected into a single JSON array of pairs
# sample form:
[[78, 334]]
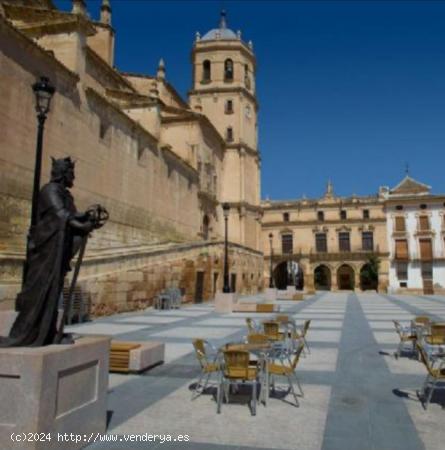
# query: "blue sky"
[[348, 90]]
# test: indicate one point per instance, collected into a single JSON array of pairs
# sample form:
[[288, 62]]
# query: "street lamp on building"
[[226, 211], [271, 283], [43, 92]]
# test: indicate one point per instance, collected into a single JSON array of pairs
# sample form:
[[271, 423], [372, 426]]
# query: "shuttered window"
[[426, 249], [321, 244], [400, 223], [344, 243], [402, 249], [424, 223], [368, 240], [287, 243]]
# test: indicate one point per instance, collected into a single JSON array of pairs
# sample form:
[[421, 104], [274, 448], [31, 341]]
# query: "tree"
[[370, 273]]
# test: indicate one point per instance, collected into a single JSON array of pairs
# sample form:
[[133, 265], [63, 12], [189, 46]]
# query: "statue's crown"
[[60, 167]]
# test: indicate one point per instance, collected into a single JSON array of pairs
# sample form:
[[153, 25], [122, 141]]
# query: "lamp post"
[[226, 287], [43, 92], [271, 283]]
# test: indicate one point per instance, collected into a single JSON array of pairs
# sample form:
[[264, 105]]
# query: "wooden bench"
[[120, 356], [265, 307], [126, 357]]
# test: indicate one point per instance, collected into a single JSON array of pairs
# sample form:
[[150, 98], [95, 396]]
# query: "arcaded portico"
[[332, 243]]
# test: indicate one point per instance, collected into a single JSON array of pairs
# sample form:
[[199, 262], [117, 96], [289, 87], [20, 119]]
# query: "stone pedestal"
[[55, 389], [292, 289], [270, 294], [224, 302], [7, 319]]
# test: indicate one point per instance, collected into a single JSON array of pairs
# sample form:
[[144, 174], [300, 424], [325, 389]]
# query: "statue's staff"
[[98, 215]]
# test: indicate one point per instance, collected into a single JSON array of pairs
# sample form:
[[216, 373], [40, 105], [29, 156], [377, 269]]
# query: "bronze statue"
[[58, 235]]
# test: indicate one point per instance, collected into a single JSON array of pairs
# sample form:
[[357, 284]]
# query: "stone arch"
[[288, 272], [322, 277], [345, 277]]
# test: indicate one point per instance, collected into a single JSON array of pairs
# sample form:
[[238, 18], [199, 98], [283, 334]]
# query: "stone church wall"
[[150, 193]]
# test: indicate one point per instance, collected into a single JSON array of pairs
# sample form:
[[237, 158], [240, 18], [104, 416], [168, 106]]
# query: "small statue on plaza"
[[60, 233]]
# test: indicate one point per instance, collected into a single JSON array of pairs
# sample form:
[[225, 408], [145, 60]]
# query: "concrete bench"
[[133, 356]]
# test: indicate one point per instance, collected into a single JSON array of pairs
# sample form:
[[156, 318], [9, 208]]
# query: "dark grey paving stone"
[[347, 443], [362, 403]]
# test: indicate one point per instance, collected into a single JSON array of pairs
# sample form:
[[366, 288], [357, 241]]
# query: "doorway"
[[233, 282], [199, 287], [322, 278], [345, 277]]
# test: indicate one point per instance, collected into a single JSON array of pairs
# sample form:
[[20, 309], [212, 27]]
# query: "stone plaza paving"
[[357, 395]]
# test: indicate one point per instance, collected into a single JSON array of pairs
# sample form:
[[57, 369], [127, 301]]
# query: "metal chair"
[[302, 335], [252, 326], [236, 368], [207, 361], [288, 371], [405, 336], [176, 297], [434, 376], [163, 300]]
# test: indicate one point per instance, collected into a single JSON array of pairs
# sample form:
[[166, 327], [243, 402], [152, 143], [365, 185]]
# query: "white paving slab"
[[154, 320], [111, 329], [196, 332]]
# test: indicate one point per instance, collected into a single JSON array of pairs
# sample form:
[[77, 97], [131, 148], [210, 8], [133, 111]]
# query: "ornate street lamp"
[[226, 287], [43, 91], [271, 282]]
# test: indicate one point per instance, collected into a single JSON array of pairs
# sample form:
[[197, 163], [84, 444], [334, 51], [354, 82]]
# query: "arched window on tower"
[[206, 71], [228, 70]]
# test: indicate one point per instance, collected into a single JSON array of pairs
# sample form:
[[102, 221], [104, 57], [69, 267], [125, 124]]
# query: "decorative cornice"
[[222, 90], [426, 198], [298, 204], [245, 205], [190, 116], [211, 46], [93, 57], [28, 44], [132, 99], [107, 102], [170, 154], [242, 146], [37, 21], [298, 223]]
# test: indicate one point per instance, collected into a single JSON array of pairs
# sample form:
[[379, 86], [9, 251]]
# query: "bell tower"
[[224, 68]]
